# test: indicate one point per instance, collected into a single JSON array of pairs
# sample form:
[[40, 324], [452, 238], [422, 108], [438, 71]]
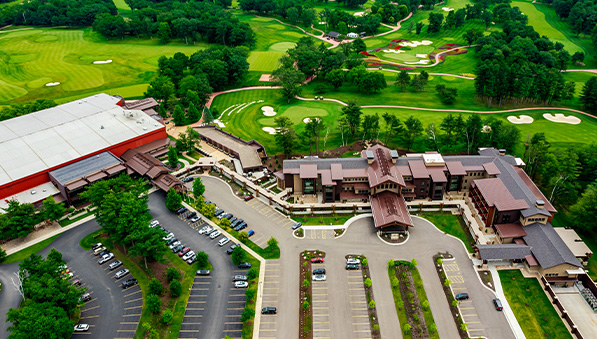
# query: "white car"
[[204, 229], [174, 244], [188, 256], [122, 273], [223, 241], [241, 284], [319, 277], [195, 219], [154, 223], [210, 230], [82, 328], [105, 258], [215, 234], [353, 261], [168, 237]]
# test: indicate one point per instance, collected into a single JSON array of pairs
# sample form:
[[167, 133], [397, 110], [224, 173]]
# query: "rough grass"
[[532, 308], [27, 252], [123, 8], [450, 224]]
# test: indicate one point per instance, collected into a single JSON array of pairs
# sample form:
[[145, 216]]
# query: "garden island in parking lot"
[[430, 165]]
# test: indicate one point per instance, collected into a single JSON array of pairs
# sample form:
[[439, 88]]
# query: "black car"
[[191, 215], [244, 265], [269, 310], [319, 271], [237, 222], [104, 253], [171, 241], [228, 216], [461, 296], [187, 179], [233, 220], [352, 267], [129, 283], [242, 226], [231, 249], [218, 212], [181, 210]]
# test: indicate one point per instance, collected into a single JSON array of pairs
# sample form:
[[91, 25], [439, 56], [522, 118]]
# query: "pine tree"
[[162, 111], [172, 157], [178, 116], [192, 113], [588, 96], [207, 116]]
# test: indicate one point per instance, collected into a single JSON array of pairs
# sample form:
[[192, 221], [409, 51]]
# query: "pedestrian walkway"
[[507, 310]]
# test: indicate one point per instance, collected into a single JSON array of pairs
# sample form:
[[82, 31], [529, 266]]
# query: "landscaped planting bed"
[[438, 260], [305, 293], [373, 320], [411, 301]]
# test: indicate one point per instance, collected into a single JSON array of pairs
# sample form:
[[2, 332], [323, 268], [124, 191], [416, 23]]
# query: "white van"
[[223, 241]]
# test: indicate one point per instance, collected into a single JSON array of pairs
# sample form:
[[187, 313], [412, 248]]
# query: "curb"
[[391, 244]]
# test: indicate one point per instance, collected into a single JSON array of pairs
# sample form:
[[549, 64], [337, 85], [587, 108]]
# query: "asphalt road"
[[425, 241]]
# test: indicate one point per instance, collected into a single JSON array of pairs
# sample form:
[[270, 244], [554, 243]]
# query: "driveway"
[[425, 241]]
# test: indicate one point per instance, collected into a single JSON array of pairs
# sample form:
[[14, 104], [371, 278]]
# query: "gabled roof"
[[496, 194], [389, 209], [308, 171], [455, 168], [491, 168], [513, 230], [547, 246], [382, 170], [503, 251], [534, 189], [418, 169], [437, 174]]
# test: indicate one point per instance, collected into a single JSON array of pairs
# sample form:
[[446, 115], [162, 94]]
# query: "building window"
[[422, 190]]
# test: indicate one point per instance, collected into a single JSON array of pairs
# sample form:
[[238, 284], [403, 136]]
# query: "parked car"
[[251, 233], [498, 304], [244, 265], [99, 250], [317, 260], [242, 226], [154, 223], [207, 201], [353, 261], [82, 328], [192, 260], [76, 282], [351, 267], [183, 251], [203, 229], [122, 273], [248, 197], [168, 237], [104, 252], [228, 216], [218, 212], [319, 271], [86, 297], [171, 241], [462, 296], [94, 246], [231, 249], [297, 225], [237, 222], [115, 264], [319, 277], [128, 283], [241, 284], [105, 258], [187, 179], [233, 220], [223, 241], [189, 255], [210, 230], [174, 244], [191, 215], [181, 210], [203, 272], [269, 310], [215, 234], [178, 248], [239, 278], [195, 219]]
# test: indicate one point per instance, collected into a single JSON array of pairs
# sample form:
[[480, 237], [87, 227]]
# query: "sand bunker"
[[308, 120], [50, 84], [269, 130], [220, 124], [486, 129], [524, 119], [393, 51], [415, 43], [265, 77], [447, 9], [359, 14], [102, 62], [571, 119], [268, 111], [420, 62], [423, 56]]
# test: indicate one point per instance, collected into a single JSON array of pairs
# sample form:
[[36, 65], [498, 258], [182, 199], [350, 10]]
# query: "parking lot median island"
[[251, 294], [306, 258], [439, 268], [368, 284]]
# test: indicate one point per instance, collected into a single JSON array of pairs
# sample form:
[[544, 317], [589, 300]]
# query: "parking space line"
[[128, 323], [90, 317], [132, 315], [184, 323], [130, 301], [89, 309], [132, 308], [130, 293], [235, 308], [193, 316]]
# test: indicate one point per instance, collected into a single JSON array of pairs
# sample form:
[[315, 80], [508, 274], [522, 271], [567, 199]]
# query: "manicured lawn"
[[27, 252], [450, 224], [323, 220], [123, 8], [532, 308]]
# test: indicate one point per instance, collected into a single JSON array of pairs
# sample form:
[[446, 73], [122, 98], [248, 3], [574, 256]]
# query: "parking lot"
[[318, 234], [358, 305], [320, 307], [271, 294], [195, 307]]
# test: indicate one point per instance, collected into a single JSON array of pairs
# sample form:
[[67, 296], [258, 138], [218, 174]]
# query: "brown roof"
[[531, 260], [512, 230], [279, 174], [534, 189], [248, 155], [418, 169], [326, 178], [141, 104], [382, 170], [496, 194], [491, 168], [76, 184], [437, 174], [154, 145], [336, 171], [115, 169], [354, 173], [352, 195], [455, 168], [389, 209], [405, 171], [308, 171], [95, 177], [156, 171], [167, 181]]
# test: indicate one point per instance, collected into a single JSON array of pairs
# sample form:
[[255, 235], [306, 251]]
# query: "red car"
[[184, 251], [76, 282], [317, 260], [248, 197]]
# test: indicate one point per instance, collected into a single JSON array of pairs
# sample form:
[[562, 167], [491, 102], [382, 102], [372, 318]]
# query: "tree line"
[[581, 15], [16, 110], [73, 13]]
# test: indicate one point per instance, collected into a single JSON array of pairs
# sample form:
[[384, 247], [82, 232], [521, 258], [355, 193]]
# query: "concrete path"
[[507, 309]]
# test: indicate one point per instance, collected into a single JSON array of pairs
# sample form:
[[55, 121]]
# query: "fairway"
[[264, 61]]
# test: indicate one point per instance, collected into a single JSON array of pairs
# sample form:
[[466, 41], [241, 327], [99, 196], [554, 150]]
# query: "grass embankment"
[[452, 225], [67, 221], [27, 252], [251, 294], [532, 307], [323, 220]]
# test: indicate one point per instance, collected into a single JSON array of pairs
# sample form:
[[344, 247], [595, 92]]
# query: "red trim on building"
[[42, 177]]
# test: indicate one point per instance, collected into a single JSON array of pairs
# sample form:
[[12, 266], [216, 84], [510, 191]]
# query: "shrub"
[[306, 283], [365, 262], [372, 304], [155, 287], [172, 273], [455, 303], [368, 282], [154, 304], [252, 274], [2, 255], [440, 261], [395, 282], [305, 305], [247, 314], [413, 263], [202, 259], [464, 327], [167, 316], [249, 294], [391, 263], [447, 282], [425, 305], [243, 236], [175, 288], [406, 328], [433, 328]]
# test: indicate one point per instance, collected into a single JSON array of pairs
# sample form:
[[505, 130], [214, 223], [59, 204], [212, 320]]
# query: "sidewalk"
[[507, 310]]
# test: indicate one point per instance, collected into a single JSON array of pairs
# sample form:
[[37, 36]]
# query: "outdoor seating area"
[[588, 296]]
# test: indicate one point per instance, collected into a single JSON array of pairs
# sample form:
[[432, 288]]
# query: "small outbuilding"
[[333, 35], [352, 35]]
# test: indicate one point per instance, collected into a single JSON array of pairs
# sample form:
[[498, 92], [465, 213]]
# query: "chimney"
[[394, 155], [540, 204], [502, 151], [370, 157]]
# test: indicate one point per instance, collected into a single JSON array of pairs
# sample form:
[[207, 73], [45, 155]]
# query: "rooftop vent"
[[33, 192], [540, 203], [394, 155], [370, 156], [502, 151], [102, 127]]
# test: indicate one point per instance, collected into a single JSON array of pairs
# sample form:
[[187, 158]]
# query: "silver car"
[[121, 273], [204, 229], [215, 234], [115, 264], [105, 258]]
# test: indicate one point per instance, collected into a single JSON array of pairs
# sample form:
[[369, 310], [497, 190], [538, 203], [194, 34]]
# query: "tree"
[[336, 77], [155, 287], [353, 113], [243, 236], [578, 57], [2, 255], [172, 157], [164, 32], [110, 26], [413, 263], [172, 273], [167, 316], [290, 79], [207, 116], [447, 95], [417, 83], [414, 128], [371, 304], [53, 211], [471, 36], [238, 255], [435, 22], [175, 288], [252, 274], [39, 321], [402, 80], [154, 304], [20, 220], [368, 282], [198, 187], [358, 45], [202, 259], [371, 125], [583, 213], [272, 243], [285, 134], [160, 88], [188, 141], [173, 200], [178, 116], [487, 18], [588, 96], [192, 114], [418, 27]]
